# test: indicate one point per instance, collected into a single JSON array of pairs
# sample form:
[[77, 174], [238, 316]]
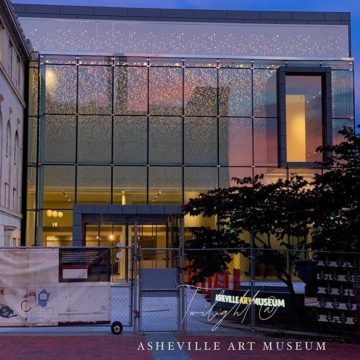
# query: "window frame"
[[325, 73]]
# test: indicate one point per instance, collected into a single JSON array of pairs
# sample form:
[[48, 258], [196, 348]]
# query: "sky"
[[352, 6]]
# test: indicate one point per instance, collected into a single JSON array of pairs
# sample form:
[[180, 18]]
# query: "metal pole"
[[136, 261], [252, 280], [182, 290]]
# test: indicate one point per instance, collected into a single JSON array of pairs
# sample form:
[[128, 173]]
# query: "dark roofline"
[[10, 19], [221, 16]]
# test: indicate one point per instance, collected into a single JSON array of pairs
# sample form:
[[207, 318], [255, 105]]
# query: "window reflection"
[[235, 141], [95, 89], [200, 92]]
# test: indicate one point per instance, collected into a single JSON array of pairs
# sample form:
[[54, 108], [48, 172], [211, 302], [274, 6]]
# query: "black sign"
[[269, 305], [84, 265]]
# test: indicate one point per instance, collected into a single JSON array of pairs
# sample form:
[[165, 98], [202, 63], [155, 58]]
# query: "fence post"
[[182, 290], [252, 280], [287, 261], [137, 279]]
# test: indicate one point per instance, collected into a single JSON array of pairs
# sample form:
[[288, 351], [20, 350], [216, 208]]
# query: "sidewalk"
[[104, 345]]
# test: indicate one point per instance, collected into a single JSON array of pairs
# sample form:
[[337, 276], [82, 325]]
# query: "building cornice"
[[9, 20], [176, 15]]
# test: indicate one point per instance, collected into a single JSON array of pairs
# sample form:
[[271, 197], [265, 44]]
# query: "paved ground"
[[104, 346]]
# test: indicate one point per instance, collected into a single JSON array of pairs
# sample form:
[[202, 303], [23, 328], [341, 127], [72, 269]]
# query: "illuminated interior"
[[304, 119]]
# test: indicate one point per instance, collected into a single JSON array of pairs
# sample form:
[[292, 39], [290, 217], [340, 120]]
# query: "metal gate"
[[147, 298]]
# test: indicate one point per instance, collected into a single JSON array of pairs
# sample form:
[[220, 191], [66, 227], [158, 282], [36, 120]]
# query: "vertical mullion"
[[218, 121], [112, 132], [252, 121], [147, 131], [183, 132], [40, 154], [37, 211], [76, 130]]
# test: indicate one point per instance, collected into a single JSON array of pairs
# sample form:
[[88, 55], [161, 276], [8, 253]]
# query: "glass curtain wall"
[[105, 130]]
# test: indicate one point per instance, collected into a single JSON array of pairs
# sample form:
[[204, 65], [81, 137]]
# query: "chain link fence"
[[281, 291], [152, 289]]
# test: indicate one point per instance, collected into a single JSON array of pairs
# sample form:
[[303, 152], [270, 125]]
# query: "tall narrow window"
[[7, 195], [1, 42], [16, 148], [304, 105], [8, 139], [10, 58], [15, 200], [304, 118]]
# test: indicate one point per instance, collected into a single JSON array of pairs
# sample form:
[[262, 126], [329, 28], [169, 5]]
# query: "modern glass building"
[[134, 111]]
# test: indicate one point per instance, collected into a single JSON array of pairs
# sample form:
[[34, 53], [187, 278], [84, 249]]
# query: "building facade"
[[14, 58], [132, 112]]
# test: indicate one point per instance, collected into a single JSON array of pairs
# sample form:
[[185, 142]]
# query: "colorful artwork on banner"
[[31, 294]]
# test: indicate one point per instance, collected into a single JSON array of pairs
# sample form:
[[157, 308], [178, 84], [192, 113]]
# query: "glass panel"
[[304, 129], [58, 59], [200, 62], [306, 173], [166, 62], [165, 91], [271, 174], [200, 92], [130, 90], [264, 96], [129, 185], [60, 84], [94, 139], [59, 138], [228, 173], [235, 64], [200, 143], [337, 125], [130, 139], [57, 227], [265, 141], [33, 91], [172, 37], [197, 221], [338, 64], [92, 235], [235, 92], [93, 184], [95, 60], [108, 235], [165, 185], [304, 63], [235, 136], [342, 94], [199, 180], [165, 139], [131, 61], [268, 64], [31, 188], [95, 89], [59, 184], [32, 139], [30, 228]]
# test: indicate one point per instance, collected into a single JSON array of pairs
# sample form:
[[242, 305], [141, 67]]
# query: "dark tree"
[[271, 212], [336, 196], [327, 209]]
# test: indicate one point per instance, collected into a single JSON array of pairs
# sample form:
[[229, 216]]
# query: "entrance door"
[[145, 271]]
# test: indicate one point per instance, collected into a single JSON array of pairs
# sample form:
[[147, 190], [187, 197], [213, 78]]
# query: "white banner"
[[31, 295]]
